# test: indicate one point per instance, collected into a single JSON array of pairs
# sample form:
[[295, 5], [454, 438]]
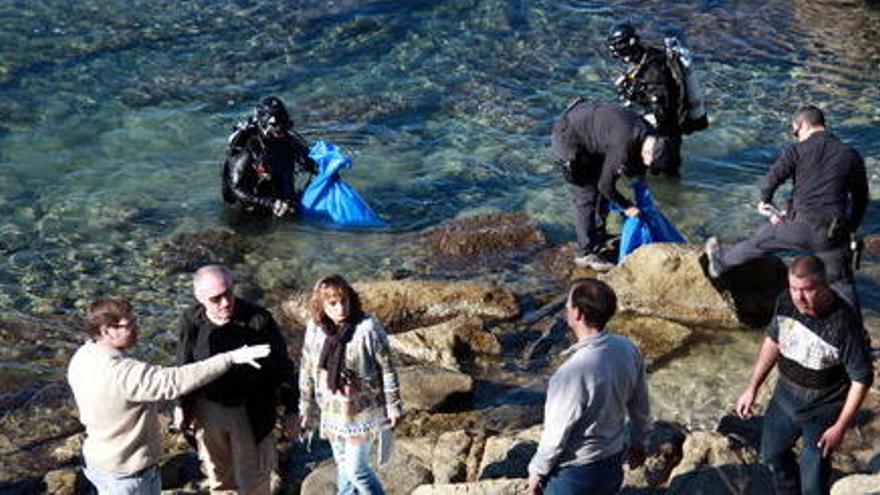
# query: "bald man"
[[235, 416]]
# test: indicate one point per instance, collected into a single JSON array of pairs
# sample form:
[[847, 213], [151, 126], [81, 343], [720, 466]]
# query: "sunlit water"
[[113, 118]]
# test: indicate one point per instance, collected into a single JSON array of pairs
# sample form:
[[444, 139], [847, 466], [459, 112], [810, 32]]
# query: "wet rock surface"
[[189, 252]]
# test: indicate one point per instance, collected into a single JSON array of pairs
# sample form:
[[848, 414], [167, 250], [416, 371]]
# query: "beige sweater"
[[116, 396]]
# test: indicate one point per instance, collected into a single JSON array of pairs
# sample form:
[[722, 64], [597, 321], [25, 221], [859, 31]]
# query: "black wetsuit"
[[650, 84], [597, 142], [258, 171]]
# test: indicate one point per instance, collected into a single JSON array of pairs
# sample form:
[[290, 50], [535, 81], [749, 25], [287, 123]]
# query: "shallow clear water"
[[113, 118]]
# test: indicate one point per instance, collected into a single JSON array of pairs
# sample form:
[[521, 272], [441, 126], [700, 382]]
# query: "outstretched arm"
[[767, 358]]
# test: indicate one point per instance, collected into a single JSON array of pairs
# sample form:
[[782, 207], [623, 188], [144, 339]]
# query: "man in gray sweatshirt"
[[601, 383], [117, 397]]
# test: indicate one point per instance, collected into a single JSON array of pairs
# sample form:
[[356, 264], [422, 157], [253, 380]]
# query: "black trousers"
[[803, 236], [589, 210]]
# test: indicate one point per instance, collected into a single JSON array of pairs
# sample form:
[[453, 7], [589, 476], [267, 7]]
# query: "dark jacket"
[[257, 172], [259, 390], [599, 135], [829, 179], [651, 84]]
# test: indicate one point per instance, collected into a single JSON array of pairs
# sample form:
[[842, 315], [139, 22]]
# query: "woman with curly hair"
[[348, 373]]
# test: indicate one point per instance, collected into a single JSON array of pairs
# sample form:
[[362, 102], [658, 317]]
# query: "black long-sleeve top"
[[614, 133], [829, 178], [259, 390], [650, 84], [257, 172]]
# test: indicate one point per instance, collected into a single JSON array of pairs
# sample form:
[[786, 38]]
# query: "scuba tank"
[[692, 110]]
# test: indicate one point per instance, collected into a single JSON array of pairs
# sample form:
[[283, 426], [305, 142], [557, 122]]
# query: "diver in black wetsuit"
[[657, 81], [264, 158]]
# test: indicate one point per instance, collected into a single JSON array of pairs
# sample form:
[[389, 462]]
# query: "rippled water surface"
[[113, 118]]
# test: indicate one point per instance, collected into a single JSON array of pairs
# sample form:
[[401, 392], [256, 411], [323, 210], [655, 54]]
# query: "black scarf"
[[333, 353]]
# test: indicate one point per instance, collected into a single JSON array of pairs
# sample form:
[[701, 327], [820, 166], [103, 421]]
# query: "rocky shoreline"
[[475, 347]]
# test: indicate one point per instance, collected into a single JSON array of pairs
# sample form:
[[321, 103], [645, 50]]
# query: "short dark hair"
[[811, 114], [107, 311], [808, 266], [596, 301]]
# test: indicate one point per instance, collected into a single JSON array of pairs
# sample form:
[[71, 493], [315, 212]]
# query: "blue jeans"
[[146, 482], [779, 435], [354, 472], [596, 478]]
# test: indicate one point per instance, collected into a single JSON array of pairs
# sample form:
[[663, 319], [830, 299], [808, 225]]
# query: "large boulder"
[[710, 449], [508, 456], [731, 479], [669, 281], [663, 453], [403, 305], [483, 487], [482, 234], [449, 461], [431, 388], [655, 337], [447, 344], [857, 483]]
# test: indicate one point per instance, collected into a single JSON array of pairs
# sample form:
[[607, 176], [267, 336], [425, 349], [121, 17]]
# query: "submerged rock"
[[656, 338], [403, 305], [484, 234], [188, 252]]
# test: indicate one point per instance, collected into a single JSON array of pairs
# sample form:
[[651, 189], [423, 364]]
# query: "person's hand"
[[636, 456], [831, 439], [249, 354], [632, 211], [744, 404], [776, 219], [281, 207], [535, 485], [396, 420]]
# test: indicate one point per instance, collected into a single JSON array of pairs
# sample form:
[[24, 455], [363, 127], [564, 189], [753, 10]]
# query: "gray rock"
[[709, 449], [432, 388], [664, 452], [857, 483], [752, 479], [449, 462], [483, 487], [447, 344], [508, 456]]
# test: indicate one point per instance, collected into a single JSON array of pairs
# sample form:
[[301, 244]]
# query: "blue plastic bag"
[[330, 200], [650, 226]]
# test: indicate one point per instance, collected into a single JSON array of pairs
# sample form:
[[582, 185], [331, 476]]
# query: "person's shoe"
[[713, 257], [594, 262]]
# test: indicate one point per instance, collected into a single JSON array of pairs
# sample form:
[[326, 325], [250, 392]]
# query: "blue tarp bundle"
[[650, 226], [330, 200]]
